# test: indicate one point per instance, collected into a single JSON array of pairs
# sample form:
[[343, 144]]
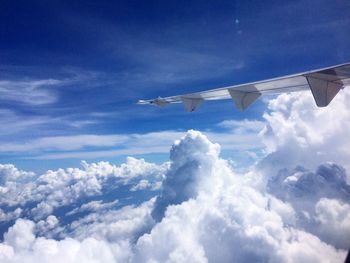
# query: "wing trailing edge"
[[324, 84]]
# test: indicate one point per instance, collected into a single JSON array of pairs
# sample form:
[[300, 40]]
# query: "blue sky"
[[71, 72]]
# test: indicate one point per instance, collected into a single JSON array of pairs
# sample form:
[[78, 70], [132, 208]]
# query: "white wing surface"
[[324, 84]]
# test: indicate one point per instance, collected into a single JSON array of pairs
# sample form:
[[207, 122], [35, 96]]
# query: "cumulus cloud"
[[124, 224], [317, 198], [145, 184], [333, 217], [299, 133], [8, 216], [191, 162], [46, 225], [223, 219], [21, 245], [292, 220], [301, 186], [205, 211], [55, 189]]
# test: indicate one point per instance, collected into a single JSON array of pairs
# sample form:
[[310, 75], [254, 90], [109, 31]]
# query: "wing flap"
[[191, 104], [244, 99], [322, 90]]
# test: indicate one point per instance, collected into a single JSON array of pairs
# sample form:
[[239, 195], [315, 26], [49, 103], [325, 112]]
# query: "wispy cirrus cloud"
[[13, 122], [173, 65], [30, 92], [65, 143], [243, 125]]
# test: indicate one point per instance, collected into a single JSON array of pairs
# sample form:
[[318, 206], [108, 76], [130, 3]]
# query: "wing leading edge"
[[323, 83]]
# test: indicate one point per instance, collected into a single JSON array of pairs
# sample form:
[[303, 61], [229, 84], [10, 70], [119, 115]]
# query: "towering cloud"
[[192, 159]]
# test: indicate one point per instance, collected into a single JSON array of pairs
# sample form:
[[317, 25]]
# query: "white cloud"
[[243, 125], [12, 123], [66, 143], [31, 92], [145, 184], [210, 209], [204, 208], [128, 144], [124, 224], [9, 216], [21, 245], [334, 218], [44, 226], [20, 236], [317, 198], [191, 162], [299, 133], [59, 188], [37, 92], [9, 173]]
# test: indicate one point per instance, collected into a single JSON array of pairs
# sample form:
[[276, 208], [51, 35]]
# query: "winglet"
[[243, 99], [191, 104]]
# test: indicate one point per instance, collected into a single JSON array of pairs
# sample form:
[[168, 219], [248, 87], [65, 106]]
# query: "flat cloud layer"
[[293, 206]]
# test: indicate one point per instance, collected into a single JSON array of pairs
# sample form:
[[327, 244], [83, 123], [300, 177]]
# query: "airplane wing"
[[324, 84]]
